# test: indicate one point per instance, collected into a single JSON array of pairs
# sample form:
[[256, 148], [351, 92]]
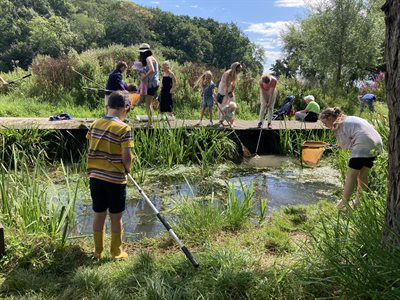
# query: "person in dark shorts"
[[109, 160], [365, 143], [151, 76]]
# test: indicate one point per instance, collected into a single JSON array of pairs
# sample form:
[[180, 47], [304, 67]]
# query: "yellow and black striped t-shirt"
[[107, 136]]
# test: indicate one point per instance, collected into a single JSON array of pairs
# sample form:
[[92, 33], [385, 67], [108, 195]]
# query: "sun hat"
[[144, 47]]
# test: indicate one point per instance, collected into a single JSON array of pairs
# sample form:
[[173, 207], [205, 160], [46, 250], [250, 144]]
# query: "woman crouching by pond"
[[365, 143]]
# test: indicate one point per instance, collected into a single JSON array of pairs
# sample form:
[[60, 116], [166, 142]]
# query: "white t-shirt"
[[359, 136]]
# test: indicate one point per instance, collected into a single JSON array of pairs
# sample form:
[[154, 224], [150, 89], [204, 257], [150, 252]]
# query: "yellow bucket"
[[311, 152], [135, 97]]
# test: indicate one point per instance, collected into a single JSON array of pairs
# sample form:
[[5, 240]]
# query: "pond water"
[[280, 180]]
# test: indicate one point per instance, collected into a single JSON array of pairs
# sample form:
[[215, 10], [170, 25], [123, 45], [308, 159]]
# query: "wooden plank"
[[2, 242], [83, 123]]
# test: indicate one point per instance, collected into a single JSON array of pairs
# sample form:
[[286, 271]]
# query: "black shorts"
[[107, 195], [220, 98], [152, 91], [358, 163]]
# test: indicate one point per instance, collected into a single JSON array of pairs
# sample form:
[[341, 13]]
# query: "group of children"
[[110, 138]]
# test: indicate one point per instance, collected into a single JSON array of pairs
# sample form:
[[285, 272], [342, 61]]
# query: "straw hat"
[[144, 47]]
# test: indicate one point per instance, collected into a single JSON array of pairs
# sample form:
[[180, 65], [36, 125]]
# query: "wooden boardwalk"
[[84, 123]]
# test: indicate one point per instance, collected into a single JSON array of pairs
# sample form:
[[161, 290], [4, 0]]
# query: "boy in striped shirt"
[[109, 160]]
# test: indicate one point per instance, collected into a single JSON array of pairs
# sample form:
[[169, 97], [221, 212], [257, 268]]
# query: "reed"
[[162, 147], [26, 201], [238, 211]]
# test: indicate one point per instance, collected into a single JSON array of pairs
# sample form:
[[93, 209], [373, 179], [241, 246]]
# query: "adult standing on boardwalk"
[[268, 94], [114, 82], [151, 75], [365, 143], [226, 87]]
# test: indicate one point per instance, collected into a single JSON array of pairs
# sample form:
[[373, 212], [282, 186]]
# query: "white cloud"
[[268, 29], [289, 3], [269, 42], [155, 2], [194, 6]]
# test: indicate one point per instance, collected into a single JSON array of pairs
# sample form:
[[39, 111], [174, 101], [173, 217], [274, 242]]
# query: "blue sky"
[[260, 20]]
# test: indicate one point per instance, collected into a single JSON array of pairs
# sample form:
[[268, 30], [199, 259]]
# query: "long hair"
[[143, 56], [334, 112], [201, 81], [233, 72]]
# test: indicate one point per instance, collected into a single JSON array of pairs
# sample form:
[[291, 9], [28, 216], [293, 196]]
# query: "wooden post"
[[2, 243]]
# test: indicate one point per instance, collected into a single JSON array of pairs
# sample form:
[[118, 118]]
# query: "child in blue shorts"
[[207, 87]]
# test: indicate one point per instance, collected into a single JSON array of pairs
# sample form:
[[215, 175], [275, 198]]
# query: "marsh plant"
[[164, 148], [292, 140], [26, 203], [238, 211]]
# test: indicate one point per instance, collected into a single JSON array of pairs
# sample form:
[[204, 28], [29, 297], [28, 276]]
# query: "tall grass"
[[25, 200], [238, 211], [164, 148], [292, 140], [348, 257]]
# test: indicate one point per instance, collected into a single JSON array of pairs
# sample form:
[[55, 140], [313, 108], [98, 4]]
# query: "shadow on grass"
[[45, 268]]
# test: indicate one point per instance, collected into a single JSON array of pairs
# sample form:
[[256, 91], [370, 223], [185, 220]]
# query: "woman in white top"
[[226, 87], [365, 143]]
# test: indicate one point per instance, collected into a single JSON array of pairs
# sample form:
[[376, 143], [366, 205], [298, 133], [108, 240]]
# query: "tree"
[[392, 57], [51, 36], [339, 40], [89, 30]]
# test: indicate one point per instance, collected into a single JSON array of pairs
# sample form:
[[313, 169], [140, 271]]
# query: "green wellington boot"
[[98, 237], [116, 246]]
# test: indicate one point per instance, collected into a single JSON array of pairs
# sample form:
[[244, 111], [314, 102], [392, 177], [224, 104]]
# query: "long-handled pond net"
[[246, 152], [185, 250]]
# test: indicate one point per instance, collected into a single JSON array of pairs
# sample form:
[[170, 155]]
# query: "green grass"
[[300, 252]]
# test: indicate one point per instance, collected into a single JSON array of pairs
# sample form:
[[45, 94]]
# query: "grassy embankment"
[[298, 253]]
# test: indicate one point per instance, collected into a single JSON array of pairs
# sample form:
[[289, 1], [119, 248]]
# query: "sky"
[[260, 20]]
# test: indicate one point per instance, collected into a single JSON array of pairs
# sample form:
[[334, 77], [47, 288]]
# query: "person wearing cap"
[[268, 93], [114, 82], [310, 113], [226, 87], [109, 161], [151, 75]]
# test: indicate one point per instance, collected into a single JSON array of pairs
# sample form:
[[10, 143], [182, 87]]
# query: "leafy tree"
[[339, 40], [89, 31], [51, 36], [125, 25]]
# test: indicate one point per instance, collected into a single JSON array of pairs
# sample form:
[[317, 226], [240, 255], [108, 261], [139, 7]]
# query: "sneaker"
[[269, 126], [210, 124], [260, 125], [221, 125]]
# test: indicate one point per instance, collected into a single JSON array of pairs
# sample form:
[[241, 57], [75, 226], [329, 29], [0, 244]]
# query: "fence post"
[[2, 243]]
